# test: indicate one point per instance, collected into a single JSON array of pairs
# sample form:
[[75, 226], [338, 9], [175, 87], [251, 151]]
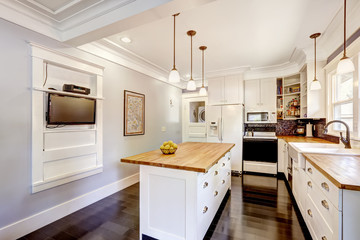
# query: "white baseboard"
[[36, 221]]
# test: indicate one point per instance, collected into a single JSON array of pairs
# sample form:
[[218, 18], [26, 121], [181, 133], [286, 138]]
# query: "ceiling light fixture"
[[191, 86], [315, 84], [126, 40], [174, 75], [345, 65], [202, 91]]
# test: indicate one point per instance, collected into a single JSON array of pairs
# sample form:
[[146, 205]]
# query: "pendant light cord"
[[344, 29], [315, 58], [175, 15], [202, 68], [191, 59]]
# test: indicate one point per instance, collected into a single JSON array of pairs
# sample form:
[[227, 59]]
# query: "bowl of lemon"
[[168, 147]]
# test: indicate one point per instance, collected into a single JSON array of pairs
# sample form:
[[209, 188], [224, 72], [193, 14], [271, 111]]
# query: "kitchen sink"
[[324, 148]]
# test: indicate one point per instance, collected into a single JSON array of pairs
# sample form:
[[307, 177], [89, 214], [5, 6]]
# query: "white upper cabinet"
[[260, 95], [225, 90]]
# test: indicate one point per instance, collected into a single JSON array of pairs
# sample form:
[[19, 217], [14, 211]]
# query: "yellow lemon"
[[170, 142], [165, 143], [175, 146], [162, 147], [167, 147]]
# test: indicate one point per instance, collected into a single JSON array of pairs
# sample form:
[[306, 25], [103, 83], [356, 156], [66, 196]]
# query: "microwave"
[[260, 117]]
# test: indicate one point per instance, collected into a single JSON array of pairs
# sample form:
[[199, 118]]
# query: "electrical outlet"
[[163, 129]]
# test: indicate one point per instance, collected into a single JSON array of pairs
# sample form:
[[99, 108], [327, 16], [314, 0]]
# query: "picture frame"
[[134, 113]]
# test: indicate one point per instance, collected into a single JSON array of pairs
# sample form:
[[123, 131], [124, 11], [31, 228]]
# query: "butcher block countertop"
[[303, 139], [343, 171], [190, 156]]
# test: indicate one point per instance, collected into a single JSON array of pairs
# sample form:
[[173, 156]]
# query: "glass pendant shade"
[[191, 86], [174, 76], [345, 66], [202, 91], [315, 85]]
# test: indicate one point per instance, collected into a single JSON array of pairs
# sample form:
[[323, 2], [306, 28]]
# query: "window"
[[342, 100]]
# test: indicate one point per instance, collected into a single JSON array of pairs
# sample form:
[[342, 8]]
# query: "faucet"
[[345, 141]]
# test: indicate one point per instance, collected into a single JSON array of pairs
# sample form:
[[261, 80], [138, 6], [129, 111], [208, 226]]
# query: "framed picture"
[[134, 113]]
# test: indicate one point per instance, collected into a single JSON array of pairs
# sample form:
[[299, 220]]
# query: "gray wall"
[[16, 200]]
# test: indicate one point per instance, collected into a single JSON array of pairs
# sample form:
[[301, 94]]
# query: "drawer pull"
[[223, 181], [228, 173], [205, 209], [216, 173], [205, 184], [323, 238], [216, 193], [325, 186], [223, 164], [325, 204], [229, 158], [309, 184], [310, 170], [309, 212]]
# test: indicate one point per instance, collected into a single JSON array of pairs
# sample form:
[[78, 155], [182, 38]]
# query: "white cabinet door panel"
[[251, 93], [216, 91], [268, 94]]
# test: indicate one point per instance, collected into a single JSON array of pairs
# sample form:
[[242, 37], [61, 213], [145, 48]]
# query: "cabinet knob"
[[216, 173], [205, 209], [223, 164], [309, 212], [223, 181], [216, 193], [228, 173], [205, 184], [229, 158], [310, 170], [325, 186], [309, 183], [323, 238], [325, 204]]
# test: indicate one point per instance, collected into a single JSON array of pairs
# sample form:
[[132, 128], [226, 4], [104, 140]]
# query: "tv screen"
[[64, 109]]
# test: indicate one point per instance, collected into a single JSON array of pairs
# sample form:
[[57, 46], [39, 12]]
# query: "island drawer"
[[332, 192]]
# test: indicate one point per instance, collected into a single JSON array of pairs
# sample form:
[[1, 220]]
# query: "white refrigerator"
[[224, 124]]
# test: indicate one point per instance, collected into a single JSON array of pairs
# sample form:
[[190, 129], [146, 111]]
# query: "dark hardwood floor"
[[258, 208]]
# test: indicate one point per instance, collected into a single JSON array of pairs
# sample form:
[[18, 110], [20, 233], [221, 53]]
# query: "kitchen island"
[[181, 193]]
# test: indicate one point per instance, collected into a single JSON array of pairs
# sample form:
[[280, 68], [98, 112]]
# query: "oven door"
[[260, 150]]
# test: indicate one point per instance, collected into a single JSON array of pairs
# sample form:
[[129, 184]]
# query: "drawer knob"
[[229, 158], [325, 204], [309, 212], [223, 164], [325, 186], [205, 209], [216, 193], [216, 173], [309, 184], [223, 181], [205, 184], [228, 173], [310, 170], [323, 238]]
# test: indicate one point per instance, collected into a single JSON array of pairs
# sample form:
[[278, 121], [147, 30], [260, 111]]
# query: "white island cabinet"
[[181, 193]]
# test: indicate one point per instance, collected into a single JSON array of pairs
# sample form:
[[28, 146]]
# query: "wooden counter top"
[[343, 171], [303, 139], [191, 156]]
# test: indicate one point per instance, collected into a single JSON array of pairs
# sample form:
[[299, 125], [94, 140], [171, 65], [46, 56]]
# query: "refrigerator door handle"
[[219, 129]]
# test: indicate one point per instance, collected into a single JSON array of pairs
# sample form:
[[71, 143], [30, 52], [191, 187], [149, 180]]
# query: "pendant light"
[[174, 75], [315, 84], [191, 86], [202, 91], [345, 65]]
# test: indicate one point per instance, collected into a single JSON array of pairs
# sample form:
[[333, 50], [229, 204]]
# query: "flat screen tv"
[[70, 110]]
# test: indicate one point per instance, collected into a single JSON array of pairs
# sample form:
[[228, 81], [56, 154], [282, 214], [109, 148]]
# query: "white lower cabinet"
[[179, 204]]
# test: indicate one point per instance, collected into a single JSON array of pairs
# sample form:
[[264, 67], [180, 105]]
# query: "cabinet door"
[[286, 159], [251, 93], [231, 90], [216, 91], [281, 151], [268, 94]]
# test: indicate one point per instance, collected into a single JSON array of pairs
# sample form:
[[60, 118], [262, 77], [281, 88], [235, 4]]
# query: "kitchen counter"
[[190, 156], [342, 171], [303, 139]]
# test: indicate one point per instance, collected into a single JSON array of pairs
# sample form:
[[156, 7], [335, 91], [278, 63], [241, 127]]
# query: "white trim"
[[36, 221]]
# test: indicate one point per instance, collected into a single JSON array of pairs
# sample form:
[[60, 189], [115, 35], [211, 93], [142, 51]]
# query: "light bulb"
[[174, 76], [345, 66], [315, 85], [191, 86], [202, 91]]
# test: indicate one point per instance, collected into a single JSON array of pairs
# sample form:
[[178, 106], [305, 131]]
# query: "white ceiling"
[[238, 34]]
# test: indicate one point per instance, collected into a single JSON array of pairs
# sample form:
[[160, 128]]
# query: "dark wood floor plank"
[[258, 208]]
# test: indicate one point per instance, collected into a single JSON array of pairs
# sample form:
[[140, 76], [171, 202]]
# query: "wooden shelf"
[[67, 93], [291, 84], [291, 94]]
